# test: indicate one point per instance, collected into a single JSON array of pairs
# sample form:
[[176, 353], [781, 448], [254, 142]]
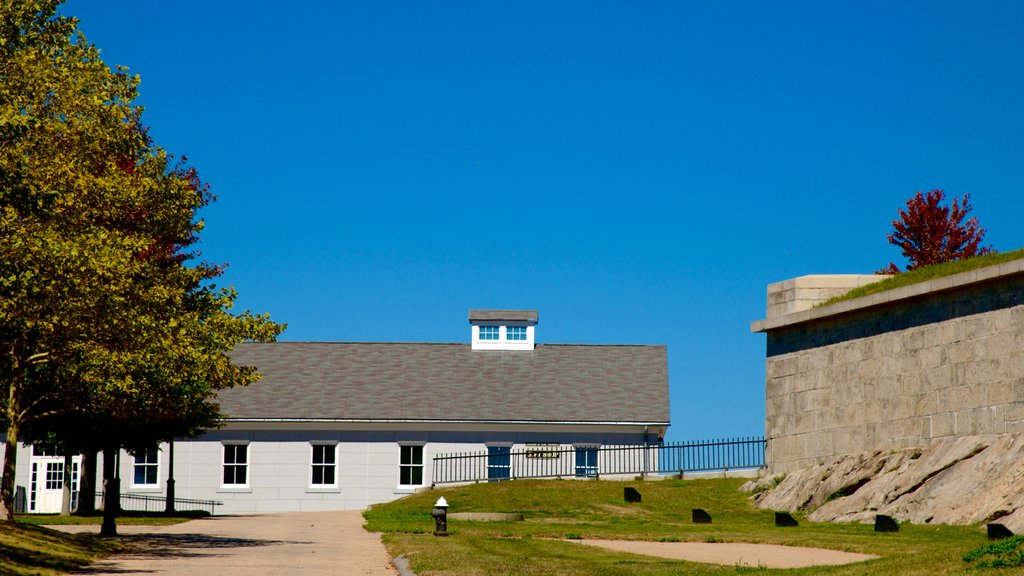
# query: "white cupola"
[[503, 329]]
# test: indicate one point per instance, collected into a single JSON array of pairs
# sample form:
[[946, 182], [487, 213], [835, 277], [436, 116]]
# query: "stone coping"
[[485, 516], [945, 283]]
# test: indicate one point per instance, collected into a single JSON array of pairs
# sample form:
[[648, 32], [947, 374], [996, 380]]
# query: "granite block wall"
[[903, 374]]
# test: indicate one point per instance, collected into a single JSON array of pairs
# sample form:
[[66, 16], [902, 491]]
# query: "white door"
[[46, 485]]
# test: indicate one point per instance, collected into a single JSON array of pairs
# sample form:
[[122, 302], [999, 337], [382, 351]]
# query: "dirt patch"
[[734, 553], [624, 510]]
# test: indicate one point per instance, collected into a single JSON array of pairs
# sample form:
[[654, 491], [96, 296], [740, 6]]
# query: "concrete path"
[[307, 543]]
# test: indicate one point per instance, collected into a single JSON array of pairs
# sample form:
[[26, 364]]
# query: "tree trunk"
[[65, 499], [111, 492], [87, 485], [11, 445]]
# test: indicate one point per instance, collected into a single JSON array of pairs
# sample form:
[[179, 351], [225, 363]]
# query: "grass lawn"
[[26, 549], [929, 273], [558, 509]]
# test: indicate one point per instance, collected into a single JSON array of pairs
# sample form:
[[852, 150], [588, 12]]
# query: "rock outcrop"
[[965, 480]]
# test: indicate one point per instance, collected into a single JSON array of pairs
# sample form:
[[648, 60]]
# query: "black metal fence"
[[153, 503], [560, 461]]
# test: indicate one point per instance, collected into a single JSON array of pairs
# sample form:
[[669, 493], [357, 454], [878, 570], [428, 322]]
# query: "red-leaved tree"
[[928, 232]]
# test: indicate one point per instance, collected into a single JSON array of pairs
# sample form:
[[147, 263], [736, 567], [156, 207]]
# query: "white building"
[[336, 426]]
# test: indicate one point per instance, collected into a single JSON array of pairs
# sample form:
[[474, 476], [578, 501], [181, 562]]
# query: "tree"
[[107, 321], [928, 232]]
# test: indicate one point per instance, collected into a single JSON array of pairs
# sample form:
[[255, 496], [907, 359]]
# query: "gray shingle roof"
[[383, 381], [493, 315]]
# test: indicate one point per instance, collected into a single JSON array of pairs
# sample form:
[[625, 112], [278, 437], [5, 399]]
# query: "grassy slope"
[[34, 550], [557, 509], [929, 273]]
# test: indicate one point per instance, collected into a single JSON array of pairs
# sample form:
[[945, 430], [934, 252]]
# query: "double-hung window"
[[236, 465], [324, 466], [490, 332], [145, 468], [410, 466]]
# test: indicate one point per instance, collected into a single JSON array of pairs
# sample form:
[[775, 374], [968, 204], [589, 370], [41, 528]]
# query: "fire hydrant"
[[440, 514]]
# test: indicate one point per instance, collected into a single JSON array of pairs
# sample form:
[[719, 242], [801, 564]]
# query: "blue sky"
[[637, 171]]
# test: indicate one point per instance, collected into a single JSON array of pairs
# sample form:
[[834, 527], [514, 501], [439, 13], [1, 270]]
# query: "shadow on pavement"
[[173, 546]]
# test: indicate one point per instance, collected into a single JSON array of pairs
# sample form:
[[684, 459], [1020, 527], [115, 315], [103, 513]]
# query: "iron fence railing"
[[153, 503], [560, 461]]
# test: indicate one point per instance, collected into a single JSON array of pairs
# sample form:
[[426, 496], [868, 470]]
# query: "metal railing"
[[153, 503], [560, 461]]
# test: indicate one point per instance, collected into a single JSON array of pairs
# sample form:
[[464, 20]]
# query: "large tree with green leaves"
[[107, 318]]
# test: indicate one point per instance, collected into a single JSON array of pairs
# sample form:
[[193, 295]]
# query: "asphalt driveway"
[[307, 543]]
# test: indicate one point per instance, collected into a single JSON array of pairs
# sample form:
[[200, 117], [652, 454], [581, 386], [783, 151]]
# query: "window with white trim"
[[410, 466], [490, 332], [146, 468], [515, 333], [236, 465], [324, 466]]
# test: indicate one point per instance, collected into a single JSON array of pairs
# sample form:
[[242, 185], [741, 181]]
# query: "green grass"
[[32, 550], [557, 509], [928, 273]]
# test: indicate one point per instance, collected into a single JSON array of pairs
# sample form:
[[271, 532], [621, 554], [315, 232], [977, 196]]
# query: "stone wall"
[[903, 369]]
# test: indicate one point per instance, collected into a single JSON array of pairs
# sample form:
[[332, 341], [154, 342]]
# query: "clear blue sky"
[[637, 171]]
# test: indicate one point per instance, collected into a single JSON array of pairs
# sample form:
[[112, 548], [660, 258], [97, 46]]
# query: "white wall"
[[279, 463]]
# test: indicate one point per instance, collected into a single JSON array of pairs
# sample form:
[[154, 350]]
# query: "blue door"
[[499, 462], [586, 462]]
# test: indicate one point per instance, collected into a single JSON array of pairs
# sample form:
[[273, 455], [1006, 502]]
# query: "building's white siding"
[[279, 463]]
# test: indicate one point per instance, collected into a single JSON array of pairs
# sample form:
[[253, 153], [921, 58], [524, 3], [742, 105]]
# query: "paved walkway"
[[307, 543]]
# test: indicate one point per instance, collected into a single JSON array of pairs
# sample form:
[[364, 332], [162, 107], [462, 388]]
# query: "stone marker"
[[700, 516], [783, 520], [885, 523], [998, 531], [630, 494]]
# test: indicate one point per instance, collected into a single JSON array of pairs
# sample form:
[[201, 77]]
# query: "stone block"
[[911, 382], [804, 422], [885, 523], [781, 366], [998, 345], [811, 400], [1000, 392], [967, 423], [956, 398], [942, 424], [939, 377], [700, 516], [902, 407], [785, 520], [979, 372], [926, 403], [997, 531], [960, 351], [774, 387]]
